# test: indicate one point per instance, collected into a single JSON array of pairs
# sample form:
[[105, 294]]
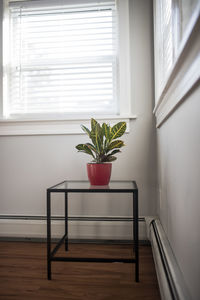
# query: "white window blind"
[[163, 42], [62, 57], [167, 48]]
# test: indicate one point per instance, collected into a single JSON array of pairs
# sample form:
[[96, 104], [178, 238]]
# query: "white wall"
[[30, 164], [178, 144], [1, 52], [179, 175]]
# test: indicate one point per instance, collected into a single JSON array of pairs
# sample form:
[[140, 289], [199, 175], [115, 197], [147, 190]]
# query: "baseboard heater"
[[170, 278]]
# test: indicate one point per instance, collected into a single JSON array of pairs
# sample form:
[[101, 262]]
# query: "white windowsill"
[[55, 126]]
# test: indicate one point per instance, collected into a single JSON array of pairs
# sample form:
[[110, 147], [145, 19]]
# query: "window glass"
[[62, 59]]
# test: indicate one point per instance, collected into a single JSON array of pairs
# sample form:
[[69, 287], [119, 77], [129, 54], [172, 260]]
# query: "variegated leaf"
[[84, 148], [115, 144], [93, 124], [80, 147], [114, 152], [93, 138], [92, 147], [118, 130], [106, 131], [86, 130], [111, 158], [98, 137]]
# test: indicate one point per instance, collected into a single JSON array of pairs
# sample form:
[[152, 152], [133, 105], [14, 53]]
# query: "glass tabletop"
[[83, 186]]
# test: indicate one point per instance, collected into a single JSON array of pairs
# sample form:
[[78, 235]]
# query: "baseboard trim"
[[171, 282], [80, 227], [75, 241]]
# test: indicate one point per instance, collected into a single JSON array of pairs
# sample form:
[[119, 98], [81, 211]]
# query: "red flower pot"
[[99, 174]]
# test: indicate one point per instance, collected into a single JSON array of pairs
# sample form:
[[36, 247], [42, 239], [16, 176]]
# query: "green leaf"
[[86, 130], [115, 144], [85, 149], [114, 152], [80, 147], [106, 131], [111, 158], [118, 130], [93, 138], [93, 124], [92, 147], [98, 137]]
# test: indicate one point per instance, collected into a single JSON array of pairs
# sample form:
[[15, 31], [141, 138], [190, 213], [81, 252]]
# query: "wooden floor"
[[23, 274]]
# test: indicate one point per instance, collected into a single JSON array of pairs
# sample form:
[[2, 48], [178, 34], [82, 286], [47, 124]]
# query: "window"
[[177, 60], [63, 58], [64, 61], [164, 45]]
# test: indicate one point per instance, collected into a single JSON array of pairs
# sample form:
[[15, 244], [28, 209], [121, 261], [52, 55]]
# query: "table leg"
[[135, 234], [66, 221], [49, 235]]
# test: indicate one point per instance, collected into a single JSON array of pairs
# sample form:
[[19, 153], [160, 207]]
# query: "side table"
[[67, 187]]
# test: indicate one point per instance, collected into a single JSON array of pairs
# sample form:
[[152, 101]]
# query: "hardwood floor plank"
[[23, 274]]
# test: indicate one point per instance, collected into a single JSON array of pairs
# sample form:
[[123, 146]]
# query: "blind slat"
[[63, 58]]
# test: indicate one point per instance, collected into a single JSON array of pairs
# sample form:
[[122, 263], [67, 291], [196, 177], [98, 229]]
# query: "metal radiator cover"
[[171, 282]]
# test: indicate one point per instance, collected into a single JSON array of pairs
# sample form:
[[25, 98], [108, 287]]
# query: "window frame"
[[185, 70], [63, 123]]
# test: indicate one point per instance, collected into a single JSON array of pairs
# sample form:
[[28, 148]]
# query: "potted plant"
[[105, 144]]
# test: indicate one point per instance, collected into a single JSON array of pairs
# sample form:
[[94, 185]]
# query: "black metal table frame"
[[51, 253]]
